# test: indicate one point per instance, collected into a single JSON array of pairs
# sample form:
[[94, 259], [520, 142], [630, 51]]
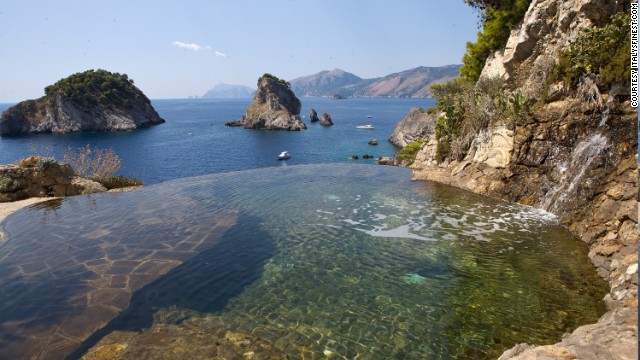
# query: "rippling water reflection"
[[318, 260]]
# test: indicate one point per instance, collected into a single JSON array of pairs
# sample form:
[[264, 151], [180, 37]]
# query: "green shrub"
[[604, 51], [432, 110], [46, 162], [520, 104], [281, 81], [8, 185], [497, 18], [116, 182], [410, 151], [94, 87], [467, 109]]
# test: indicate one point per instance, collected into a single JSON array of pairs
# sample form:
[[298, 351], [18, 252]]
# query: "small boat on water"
[[284, 156], [369, 116], [368, 126]]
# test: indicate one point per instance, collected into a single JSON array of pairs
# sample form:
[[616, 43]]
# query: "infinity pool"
[[342, 261]]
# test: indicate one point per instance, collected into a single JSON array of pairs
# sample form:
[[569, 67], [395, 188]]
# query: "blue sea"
[[194, 140]]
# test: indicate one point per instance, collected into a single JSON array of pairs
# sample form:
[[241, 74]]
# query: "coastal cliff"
[[568, 148], [89, 101], [274, 107]]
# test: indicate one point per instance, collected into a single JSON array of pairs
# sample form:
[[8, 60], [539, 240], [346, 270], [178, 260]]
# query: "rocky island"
[[274, 107], [89, 101], [531, 126]]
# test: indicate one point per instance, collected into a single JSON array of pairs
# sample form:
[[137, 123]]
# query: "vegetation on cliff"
[[602, 51], [282, 82], [97, 87], [597, 60], [410, 152], [497, 17], [468, 108]]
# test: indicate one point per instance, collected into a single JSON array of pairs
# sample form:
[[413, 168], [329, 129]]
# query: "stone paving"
[[68, 267]]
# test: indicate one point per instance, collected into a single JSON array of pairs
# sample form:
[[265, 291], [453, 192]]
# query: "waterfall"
[[573, 170]]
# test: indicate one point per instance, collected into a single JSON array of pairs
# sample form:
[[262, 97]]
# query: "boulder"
[[44, 179], [326, 120], [386, 161], [313, 116], [274, 107]]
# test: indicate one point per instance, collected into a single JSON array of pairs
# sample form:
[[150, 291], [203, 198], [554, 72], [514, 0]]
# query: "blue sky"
[[176, 49]]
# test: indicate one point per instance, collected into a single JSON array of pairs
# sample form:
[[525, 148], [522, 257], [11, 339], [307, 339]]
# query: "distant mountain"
[[408, 83], [325, 83], [226, 91]]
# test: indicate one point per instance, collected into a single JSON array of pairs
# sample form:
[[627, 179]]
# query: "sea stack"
[[274, 107], [313, 116], [326, 120], [94, 100]]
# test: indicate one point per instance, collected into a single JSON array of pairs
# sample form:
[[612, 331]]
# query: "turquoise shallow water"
[[320, 260]]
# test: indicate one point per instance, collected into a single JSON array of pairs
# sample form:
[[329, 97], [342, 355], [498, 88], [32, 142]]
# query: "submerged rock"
[[89, 101], [166, 341], [274, 107]]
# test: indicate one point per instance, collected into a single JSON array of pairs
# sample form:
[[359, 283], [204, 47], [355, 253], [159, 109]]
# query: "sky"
[[178, 49]]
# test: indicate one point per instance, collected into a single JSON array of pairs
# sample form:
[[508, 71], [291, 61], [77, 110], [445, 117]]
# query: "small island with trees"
[[94, 100]]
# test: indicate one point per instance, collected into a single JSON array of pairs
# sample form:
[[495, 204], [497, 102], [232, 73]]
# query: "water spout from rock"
[[574, 168]]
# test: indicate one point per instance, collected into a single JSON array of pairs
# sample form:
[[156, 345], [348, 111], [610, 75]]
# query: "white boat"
[[369, 116], [284, 156], [368, 126]]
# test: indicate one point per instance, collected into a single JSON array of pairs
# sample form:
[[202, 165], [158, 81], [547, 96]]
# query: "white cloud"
[[192, 46], [221, 54]]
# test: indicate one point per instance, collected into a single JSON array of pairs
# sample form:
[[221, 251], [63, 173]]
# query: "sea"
[[194, 140], [227, 249]]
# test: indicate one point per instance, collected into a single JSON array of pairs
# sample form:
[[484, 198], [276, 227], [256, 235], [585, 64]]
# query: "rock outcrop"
[[549, 27], [326, 120], [274, 107], [47, 178], [576, 160], [416, 125], [313, 116], [89, 101]]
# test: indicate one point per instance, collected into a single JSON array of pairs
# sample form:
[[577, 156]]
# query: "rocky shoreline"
[[573, 155]]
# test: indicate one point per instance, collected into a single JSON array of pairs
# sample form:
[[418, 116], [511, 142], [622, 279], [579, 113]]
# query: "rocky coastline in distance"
[[94, 100], [571, 156]]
